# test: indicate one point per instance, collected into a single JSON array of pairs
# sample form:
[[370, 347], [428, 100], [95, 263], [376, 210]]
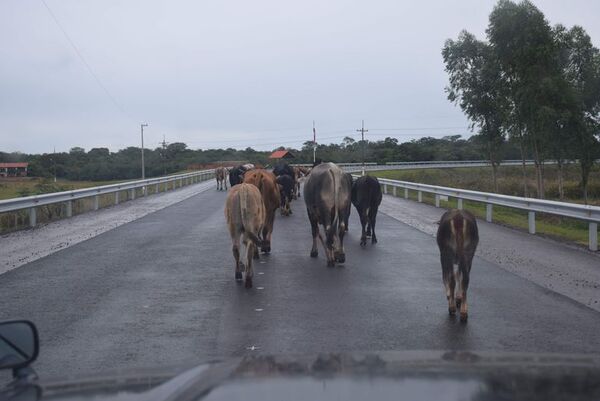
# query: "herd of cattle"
[[329, 192]]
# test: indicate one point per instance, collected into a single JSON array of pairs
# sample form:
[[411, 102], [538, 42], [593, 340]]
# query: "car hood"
[[415, 375]]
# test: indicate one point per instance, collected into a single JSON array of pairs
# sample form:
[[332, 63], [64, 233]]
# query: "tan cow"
[[245, 215], [266, 182], [221, 176]]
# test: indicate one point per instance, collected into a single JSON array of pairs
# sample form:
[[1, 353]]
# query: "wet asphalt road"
[[160, 291]]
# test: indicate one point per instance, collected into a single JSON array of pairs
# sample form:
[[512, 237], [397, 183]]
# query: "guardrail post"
[[459, 204], [132, 194], [69, 207], [394, 190], [96, 202], [437, 200], [420, 196], [488, 212], [593, 242], [405, 193], [180, 182], [32, 216], [144, 190], [117, 198], [531, 221], [157, 188], [385, 188]]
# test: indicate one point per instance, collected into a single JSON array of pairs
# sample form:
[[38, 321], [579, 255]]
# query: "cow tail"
[[458, 226], [244, 213], [336, 213]]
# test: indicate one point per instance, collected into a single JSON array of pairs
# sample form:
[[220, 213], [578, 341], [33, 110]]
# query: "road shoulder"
[[25, 246]]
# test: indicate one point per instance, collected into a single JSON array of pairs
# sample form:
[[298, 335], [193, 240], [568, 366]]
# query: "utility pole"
[[54, 162], [362, 131], [164, 144], [314, 143], [142, 125]]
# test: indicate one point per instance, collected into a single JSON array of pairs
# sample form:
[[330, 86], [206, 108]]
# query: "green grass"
[[510, 181], [34, 186]]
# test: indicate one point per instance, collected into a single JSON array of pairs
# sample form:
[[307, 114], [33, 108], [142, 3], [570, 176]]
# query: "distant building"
[[13, 169], [281, 154]]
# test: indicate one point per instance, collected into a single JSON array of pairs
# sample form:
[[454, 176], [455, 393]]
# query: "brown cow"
[[457, 238], [221, 175], [245, 214], [266, 182]]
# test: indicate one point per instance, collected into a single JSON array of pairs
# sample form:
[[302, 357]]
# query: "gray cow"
[[327, 197]]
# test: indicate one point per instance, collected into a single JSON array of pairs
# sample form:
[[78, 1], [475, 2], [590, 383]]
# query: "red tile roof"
[[279, 154], [14, 165]]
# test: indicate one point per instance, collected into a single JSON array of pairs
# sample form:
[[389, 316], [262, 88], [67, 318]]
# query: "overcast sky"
[[234, 73]]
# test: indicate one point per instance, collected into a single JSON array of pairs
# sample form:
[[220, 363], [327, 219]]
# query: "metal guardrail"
[[32, 202], [433, 164], [590, 214]]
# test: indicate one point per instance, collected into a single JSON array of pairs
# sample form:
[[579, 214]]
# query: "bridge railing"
[[355, 167], [32, 203], [587, 213]]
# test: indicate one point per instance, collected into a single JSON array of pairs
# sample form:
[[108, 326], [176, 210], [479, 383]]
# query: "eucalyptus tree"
[[524, 45], [580, 65], [476, 85]]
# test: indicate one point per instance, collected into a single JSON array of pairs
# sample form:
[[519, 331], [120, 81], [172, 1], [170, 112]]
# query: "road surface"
[[160, 291]]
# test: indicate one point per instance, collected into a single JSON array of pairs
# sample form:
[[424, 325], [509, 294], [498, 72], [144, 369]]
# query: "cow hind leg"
[[314, 226], [372, 222], [249, 253], [235, 249], [363, 223], [464, 268], [447, 259]]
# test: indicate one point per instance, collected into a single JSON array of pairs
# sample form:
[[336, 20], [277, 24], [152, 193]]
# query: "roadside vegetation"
[[509, 183], [15, 188]]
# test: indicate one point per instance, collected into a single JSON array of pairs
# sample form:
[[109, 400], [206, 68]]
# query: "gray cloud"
[[234, 73]]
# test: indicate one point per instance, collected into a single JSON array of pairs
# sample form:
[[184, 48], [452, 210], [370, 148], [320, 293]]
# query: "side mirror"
[[19, 344]]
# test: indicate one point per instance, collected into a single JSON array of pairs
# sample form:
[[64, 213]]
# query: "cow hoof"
[[330, 263], [363, 242], [266, 249], [451, 311], [458, 302], [248, 282], [463, 317], [238, 276], [374, 240], [314, 254], [340, 259]]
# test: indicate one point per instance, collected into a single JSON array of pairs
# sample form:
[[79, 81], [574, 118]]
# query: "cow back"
[[266, 183]]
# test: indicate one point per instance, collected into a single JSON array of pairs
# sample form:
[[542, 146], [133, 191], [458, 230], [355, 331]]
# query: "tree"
[[580, 65], [476, 84], [524, 46]]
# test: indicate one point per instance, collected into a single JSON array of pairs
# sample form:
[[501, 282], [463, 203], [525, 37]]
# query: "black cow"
[[236, 175], [457, 238], [327, 198], [286, 189], [366, 198], [283, 169]]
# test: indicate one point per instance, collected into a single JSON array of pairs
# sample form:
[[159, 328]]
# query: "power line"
[[85, 63], [417, 128]]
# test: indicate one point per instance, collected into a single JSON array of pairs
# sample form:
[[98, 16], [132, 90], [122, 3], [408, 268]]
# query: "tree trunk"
[[525, 186], [538, 172], [561, 189], [585, 173], [495, 175]]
